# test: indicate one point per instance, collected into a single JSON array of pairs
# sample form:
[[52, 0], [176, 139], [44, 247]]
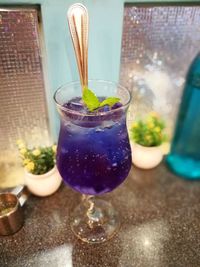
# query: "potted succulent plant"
[[41, 175], [146, 138]]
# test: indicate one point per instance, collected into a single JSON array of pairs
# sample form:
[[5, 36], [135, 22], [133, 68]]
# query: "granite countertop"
[[160, 216]]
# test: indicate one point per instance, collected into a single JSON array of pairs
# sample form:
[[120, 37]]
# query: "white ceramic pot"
[[146, 157], [43, 184]]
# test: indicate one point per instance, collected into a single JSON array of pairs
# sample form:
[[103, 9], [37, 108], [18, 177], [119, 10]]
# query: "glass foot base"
[[94, 224]]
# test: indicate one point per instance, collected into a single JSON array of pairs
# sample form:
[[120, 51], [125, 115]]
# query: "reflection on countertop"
[[160, 227]]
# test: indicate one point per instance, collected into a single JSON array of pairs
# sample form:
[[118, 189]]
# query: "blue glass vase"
[[184, 157]]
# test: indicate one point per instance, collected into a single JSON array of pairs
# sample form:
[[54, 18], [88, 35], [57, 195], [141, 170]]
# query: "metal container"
[[11, 212]]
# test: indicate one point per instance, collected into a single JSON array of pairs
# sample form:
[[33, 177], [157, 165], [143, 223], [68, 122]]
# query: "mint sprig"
[[92, 102], [109, 101], [90, 99]]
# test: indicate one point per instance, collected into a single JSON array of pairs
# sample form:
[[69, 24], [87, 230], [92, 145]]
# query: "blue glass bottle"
[[184, 157]]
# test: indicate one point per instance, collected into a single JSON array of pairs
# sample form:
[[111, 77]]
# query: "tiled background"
[[158, 44], [22, 94], [22, 99]]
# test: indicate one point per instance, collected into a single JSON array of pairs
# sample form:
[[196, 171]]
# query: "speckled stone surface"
[[160, 216]]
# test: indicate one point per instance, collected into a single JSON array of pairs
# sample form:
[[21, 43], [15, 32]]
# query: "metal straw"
[[78, 24]]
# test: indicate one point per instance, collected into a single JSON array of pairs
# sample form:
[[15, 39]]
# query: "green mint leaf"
[[90, 99], [109, 101]]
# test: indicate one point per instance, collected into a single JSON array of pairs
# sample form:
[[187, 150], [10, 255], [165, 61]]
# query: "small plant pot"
[[44, 184], [146, 157]]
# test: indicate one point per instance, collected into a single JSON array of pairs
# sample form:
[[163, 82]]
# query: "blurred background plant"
[[37, 160], [149, 132]]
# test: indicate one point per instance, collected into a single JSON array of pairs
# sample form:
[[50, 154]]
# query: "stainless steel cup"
[[11, 213]]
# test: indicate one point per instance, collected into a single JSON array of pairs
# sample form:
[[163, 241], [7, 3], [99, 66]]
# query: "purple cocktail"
[[94, 158], [94, 154]]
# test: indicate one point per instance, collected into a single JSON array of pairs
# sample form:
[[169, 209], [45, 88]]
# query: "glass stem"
[[93, 213]]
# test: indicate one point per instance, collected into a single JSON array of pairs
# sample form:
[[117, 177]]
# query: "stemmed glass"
[[93, 156]]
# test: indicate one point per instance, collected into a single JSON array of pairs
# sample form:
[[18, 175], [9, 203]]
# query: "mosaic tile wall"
[[158, 44], [22, 98], [22, 95]]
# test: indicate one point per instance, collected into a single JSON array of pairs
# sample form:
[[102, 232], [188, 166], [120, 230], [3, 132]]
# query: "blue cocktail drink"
[[95, 157], [94, 154]]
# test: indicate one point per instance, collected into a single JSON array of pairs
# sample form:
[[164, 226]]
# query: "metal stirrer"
[[78, 24]]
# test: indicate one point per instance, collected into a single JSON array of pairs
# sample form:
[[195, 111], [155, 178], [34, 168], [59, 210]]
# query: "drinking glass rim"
[[93, 114]]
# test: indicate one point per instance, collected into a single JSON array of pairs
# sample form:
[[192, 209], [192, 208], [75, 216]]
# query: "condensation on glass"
[[158, 45], [22, 94]]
